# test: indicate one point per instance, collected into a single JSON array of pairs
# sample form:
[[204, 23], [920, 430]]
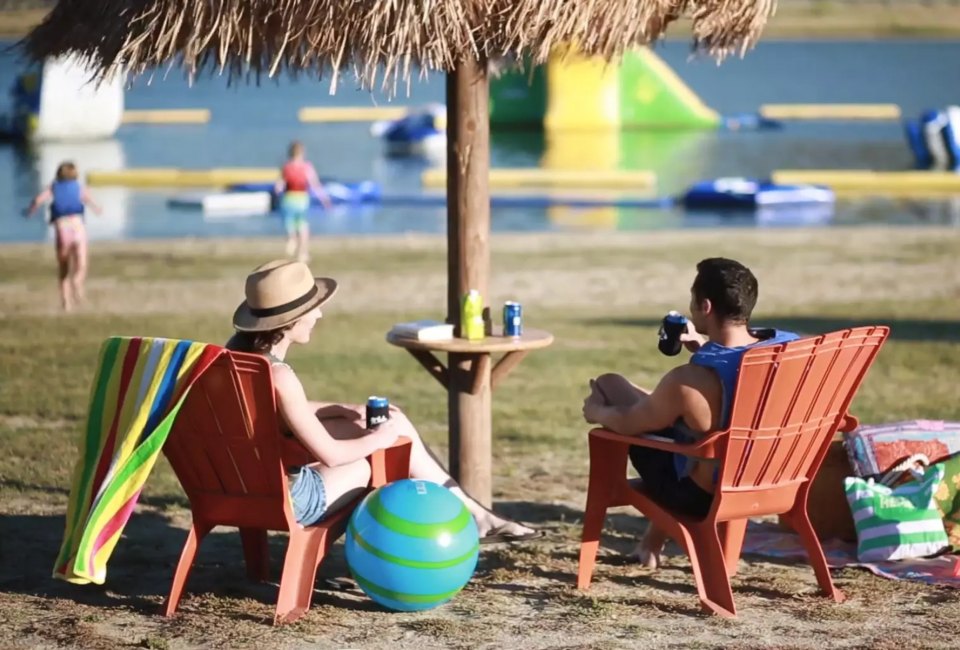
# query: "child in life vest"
[[297, 178], [68, 200]]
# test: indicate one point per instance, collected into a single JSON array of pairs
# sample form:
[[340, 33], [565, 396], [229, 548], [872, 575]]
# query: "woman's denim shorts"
[[308, 494]]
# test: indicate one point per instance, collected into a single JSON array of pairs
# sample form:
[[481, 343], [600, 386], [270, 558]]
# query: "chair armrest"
[[849, 423], [293, 453], [704, 448], [386, 465], [390, 464]]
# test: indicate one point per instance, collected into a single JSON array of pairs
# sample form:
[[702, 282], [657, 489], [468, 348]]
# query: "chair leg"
[[608, 465], [198, 530], [800, 521], [593, 519], [299, 573], [706, 558], [256, 553], [731, 537]]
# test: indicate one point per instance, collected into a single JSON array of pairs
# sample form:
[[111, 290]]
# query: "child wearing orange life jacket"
[[67, 199], [297, 178]]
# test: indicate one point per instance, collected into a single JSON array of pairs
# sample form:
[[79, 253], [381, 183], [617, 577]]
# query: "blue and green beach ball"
[[412, 545]]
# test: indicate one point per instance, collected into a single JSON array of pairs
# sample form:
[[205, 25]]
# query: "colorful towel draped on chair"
[[138, 390]]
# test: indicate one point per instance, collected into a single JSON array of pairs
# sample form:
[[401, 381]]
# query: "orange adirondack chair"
[[227, 451], [790, 401]]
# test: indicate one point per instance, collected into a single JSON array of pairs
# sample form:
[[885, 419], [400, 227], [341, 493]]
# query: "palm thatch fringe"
[[381, 40]]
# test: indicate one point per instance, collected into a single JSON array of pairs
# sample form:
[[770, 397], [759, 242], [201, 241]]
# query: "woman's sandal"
[[498, 535]]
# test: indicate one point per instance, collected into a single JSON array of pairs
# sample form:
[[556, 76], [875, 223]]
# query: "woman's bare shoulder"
[[284, 377]]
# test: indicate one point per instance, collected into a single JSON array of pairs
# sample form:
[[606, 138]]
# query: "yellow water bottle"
[[471, 316]]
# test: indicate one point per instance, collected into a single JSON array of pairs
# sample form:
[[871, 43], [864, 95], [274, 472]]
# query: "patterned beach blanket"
[[767, 539], [138, 389], [874, 449]]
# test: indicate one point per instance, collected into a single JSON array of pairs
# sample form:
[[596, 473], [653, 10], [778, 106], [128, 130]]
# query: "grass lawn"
[[602, 296]]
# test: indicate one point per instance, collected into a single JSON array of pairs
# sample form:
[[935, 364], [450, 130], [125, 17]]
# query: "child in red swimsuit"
[[68, 199], [297, 178]]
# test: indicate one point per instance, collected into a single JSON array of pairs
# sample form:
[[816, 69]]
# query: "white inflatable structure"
[[225, 204], [61, 100]]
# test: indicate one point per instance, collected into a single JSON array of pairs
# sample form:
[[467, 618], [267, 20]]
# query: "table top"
[[531, 339]]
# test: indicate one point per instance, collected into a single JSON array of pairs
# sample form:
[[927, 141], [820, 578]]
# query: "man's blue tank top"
[[66, 199], [726, 363]]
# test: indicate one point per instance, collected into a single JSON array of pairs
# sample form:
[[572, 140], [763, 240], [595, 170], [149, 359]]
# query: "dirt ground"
[[520, 596]]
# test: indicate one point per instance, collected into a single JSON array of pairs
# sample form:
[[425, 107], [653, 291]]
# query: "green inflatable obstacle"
[[573, 92]]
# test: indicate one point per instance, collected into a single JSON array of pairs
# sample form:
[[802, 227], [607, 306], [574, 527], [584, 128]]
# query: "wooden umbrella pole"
[[468, 267]]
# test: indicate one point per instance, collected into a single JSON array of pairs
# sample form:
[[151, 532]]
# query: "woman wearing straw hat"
[[282, 305]]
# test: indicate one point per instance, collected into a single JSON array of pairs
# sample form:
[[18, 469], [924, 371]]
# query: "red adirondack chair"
[[790, 401], [227, 451]]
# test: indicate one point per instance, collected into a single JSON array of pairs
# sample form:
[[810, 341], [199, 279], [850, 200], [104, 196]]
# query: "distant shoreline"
[[822, 20]]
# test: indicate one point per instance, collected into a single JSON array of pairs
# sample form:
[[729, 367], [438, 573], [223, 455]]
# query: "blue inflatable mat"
[[412, 128], [749, 194]]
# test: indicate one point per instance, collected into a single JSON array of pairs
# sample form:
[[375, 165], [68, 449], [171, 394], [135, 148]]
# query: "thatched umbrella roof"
[[267, 36]]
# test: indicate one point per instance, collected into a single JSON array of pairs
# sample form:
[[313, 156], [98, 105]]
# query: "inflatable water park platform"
[[570, 92], [253, 190], [783, 187], [585, 108]]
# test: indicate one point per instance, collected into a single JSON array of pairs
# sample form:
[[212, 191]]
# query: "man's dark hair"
[[729, 286]]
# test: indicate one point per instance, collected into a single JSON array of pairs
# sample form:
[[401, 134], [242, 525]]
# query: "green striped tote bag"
[[895, 523]]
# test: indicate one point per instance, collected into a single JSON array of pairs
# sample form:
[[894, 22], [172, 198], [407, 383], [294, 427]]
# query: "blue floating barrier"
[[535, 201], [339, 191], [748, 122]]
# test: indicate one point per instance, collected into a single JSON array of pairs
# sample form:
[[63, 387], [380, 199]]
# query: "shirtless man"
[[691, 400]]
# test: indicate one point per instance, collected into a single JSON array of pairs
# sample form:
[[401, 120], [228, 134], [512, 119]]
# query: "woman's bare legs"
[[343, 483], [618, 390], [423, 464]]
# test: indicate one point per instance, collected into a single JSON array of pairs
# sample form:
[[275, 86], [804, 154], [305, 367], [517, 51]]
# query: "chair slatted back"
[[790, 401], [224, 445]]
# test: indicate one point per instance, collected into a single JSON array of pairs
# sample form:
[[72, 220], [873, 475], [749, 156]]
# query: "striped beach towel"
[[137, 391]]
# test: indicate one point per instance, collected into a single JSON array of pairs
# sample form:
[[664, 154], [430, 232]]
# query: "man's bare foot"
[[645, 556], [648, 551]]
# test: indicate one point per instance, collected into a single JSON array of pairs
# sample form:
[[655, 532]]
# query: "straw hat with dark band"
[[278, 293]]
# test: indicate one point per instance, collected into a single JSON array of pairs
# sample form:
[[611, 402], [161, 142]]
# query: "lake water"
[[252, 125]]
